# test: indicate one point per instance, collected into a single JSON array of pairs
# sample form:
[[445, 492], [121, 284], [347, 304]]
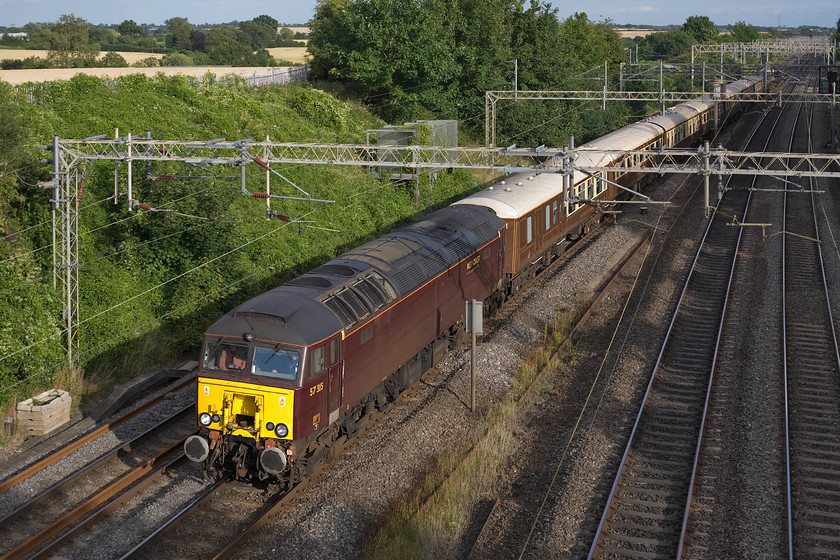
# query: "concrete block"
[[43, 413]]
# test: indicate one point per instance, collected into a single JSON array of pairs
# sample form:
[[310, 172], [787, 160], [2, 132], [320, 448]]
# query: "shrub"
[[113, 60], [176, 59]]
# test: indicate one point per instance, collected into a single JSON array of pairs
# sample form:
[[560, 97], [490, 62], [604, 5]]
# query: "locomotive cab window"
[[275, 361], [316, 362], [225, 355]]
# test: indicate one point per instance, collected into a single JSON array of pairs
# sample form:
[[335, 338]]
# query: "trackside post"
[[475, 326]]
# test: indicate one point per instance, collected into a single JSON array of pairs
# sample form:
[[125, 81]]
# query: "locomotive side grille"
[[435, 262], [367, 287], [461, 248], [342, 310], [383, 285], [409, 278], [485, 232], [359, 307]]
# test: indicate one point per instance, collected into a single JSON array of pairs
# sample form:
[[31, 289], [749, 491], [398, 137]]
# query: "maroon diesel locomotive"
[[290, 373]]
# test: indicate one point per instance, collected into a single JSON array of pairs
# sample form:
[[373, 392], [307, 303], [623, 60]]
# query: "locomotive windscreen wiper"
[[276, 349]]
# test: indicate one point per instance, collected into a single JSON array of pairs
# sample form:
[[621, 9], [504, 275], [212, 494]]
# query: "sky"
[[820, 13]]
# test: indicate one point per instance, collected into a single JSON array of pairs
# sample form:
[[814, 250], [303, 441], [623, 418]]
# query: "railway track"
[[812, 386], [647, 507], [65, 451], [69, 503]]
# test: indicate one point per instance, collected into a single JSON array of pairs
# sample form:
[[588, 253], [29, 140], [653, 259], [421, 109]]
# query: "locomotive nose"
[[196, 448]]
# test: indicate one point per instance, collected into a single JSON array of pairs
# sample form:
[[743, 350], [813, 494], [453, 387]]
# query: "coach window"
[[316, 362], [528, 231], [554, 212], [547, 216]]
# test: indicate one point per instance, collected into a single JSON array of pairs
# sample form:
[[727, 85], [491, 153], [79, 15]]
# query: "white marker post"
[[474, 324]]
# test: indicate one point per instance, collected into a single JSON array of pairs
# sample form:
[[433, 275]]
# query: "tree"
[[701, 28], [68, 42], [198, 39], [179, 33], [219, 34], [401, 53], [743, 32], [129, 28], [267, 20], [113, 60], [666, 45], [259, 33]]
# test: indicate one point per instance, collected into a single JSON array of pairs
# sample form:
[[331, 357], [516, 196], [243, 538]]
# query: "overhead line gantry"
[[71, 155]]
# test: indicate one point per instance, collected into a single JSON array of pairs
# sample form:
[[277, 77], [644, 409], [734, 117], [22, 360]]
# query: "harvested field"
[[18, 54], [297, 55], [633, 33], [18, 77]]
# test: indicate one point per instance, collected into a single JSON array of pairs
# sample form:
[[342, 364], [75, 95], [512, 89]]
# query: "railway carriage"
[[289, 374]]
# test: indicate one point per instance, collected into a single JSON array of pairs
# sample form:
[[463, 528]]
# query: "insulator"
[[164, 177], [283, 217], [259, 162], [261, 195], [143, 206]]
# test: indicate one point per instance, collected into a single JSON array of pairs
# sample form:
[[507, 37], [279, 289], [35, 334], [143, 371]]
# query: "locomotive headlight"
[[282, 430], [269, 426], [216, 418], [204, 418]]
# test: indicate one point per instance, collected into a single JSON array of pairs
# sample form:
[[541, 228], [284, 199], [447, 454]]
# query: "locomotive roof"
[[347, 291]]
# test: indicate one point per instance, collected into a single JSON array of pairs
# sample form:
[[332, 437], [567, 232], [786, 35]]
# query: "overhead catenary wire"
[[62, 332]]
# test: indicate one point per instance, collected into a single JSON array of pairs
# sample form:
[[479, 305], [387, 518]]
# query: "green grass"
[[430, 522]]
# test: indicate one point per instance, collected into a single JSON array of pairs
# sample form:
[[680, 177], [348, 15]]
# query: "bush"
[[149, 62], [29, 63], [176, 59], [113, 60]]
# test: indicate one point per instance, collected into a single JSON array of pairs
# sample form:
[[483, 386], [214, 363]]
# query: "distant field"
[[631, 33], [15, 54], [292, 54], [297, 55]]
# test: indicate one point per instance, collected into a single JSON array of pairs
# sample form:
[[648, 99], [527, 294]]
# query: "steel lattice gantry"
[[824, 48], [71, 155], [491, 98]]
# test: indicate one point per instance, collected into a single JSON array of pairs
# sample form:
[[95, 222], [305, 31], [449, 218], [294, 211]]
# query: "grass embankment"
[[431, 521], [151, 282]]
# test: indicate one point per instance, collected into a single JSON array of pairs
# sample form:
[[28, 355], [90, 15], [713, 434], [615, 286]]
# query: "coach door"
[[335, 376]]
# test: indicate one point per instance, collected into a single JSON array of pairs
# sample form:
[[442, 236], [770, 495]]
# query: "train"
[[287, 377]]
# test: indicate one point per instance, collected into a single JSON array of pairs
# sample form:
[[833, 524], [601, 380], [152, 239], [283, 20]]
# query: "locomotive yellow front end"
[[245, 407], [243, 422]]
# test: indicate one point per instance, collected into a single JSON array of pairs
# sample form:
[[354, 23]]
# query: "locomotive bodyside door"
[[335, 377]]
